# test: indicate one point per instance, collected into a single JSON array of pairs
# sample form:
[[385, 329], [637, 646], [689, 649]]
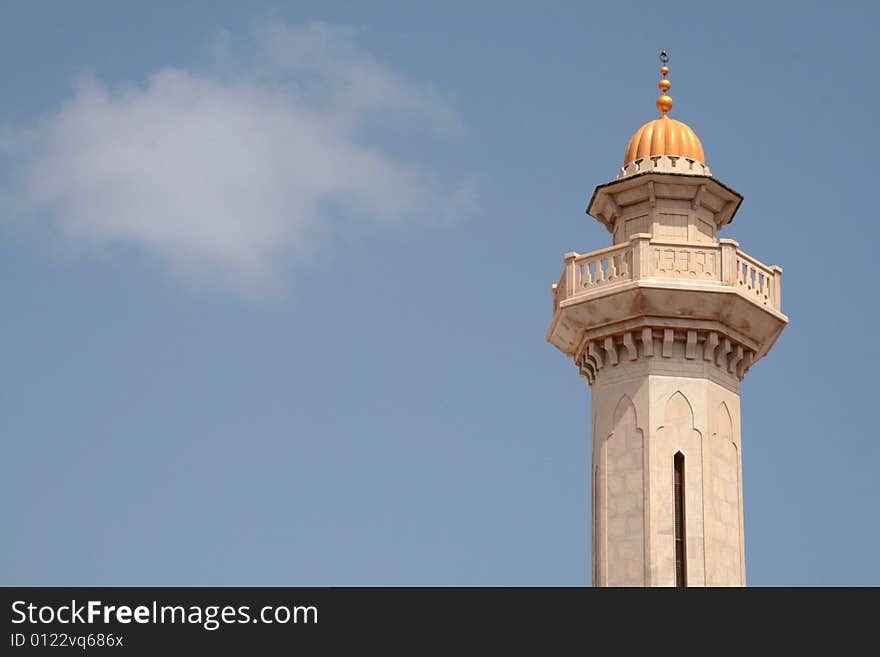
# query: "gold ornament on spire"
[[663, 135], [664, 102]]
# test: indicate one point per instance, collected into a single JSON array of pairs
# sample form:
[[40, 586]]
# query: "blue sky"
[[275, 282]]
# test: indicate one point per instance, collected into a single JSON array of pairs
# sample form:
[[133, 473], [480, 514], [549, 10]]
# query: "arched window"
[[679, 520]]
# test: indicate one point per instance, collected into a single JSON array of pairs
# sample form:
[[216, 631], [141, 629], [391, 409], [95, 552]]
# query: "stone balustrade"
[[755, 278], [642, 258]]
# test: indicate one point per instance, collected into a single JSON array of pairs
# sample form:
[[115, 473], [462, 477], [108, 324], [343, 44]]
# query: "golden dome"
[[664, 136]]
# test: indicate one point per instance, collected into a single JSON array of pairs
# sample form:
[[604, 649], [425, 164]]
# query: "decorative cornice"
[[664, 164], [660, 347]]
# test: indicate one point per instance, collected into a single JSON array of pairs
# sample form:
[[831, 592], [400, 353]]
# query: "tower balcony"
[[646, 282]]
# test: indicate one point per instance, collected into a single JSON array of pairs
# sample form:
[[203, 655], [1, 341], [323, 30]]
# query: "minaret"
[[664, 324]]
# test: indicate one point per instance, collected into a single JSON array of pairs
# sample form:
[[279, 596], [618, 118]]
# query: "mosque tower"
[[664, 324]]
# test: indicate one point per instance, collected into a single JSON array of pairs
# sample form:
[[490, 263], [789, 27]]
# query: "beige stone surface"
[[641, 420]]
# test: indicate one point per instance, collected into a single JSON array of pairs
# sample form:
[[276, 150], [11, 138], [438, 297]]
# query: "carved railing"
[[755, 278], [701, 263], [559, 291], [641, 258], [598, 269]]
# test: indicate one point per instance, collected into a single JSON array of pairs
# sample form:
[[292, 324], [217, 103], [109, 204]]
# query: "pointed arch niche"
[[724, 508], [679, 445], [623, 504]]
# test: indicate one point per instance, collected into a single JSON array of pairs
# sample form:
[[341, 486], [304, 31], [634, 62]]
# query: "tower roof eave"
[[604, 194]]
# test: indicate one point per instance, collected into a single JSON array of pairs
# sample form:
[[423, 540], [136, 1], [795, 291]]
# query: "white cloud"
[[231, 174]]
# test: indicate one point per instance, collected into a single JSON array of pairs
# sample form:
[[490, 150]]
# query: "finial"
[[664, 102]]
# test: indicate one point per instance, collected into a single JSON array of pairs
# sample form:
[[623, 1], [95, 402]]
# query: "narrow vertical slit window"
[[679, 520]]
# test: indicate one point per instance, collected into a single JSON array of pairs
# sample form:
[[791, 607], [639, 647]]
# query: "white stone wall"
[[724, 510], [624, 508], [641, 419], [620, 467]]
